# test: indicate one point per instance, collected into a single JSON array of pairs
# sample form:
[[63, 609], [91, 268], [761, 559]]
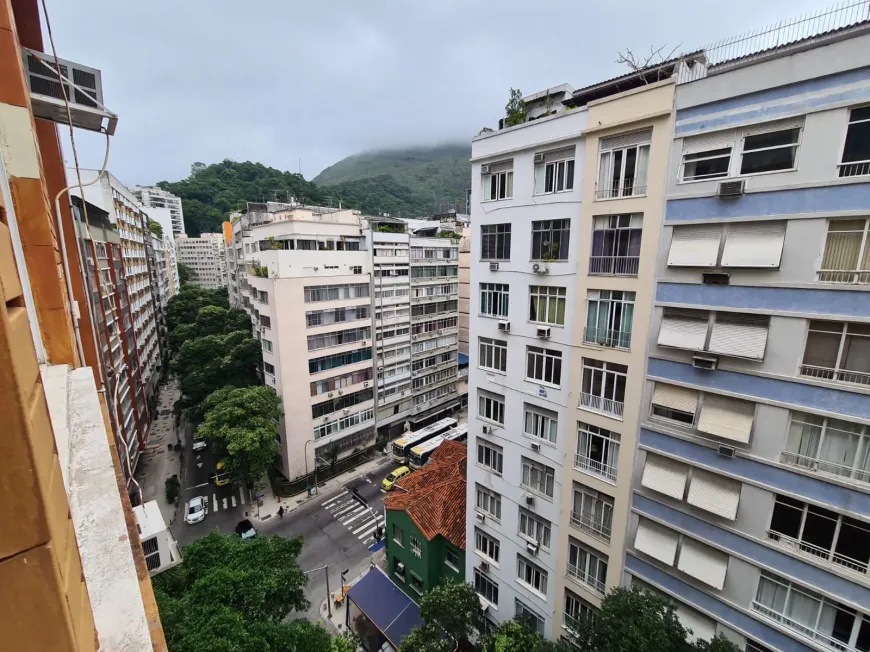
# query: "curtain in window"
[[843, 245], [803, 609], [624, 326], [822, 349], [839, 447], [642, 165], [605, 174], [856, 354], [803, 435], [772, 595]]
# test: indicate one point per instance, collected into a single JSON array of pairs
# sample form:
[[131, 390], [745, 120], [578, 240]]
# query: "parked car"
[[199, 445], [221, 477], [245, 529], [394, 477], [196, 509]]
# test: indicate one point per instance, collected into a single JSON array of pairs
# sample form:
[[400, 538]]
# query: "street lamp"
[[305, 454]]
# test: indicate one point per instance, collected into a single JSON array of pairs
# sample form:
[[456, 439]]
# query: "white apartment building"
[[377, 302], [205, 256], [155, 197]]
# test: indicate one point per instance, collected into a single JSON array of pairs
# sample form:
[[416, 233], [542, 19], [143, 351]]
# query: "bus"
[[419, 455], [402, 446]]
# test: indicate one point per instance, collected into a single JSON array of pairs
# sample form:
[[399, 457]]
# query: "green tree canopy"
[[451, 615], [517, 636], [183, 308], [184, 273], [210, 320], [243, 423]]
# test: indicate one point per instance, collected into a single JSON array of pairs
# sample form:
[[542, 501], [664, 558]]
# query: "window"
[[489, 503], [335, 292], [152, 553], [451, 559], [344, 423], [485, 587], [856, 149], [541, 423], [416, 583], [491, 408], [705, 164], [592, 512], [336, 315], [528, 617], [587, 566], [538, 478], [316, 365], [495, 242], [674, 403], [263, 297], [489, 456], [622, 166], [847, 252], [498, 183], [555, 173], [609, 315], [534, 529], [398, 535], [615, 245], [338, 338], [838, 352], [493, 354], [415, 546], [268, 368], [597, 451], [398, 569], [829, 446], [543, 365], [547, 305], [265, 321], [267, 345], [603, 387], [531, 575], [486, 546], [494, 299], [550, 239], [575, 610], [770, 151], [341, 403]]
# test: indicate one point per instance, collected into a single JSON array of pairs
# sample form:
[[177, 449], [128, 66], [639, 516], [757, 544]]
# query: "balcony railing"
[[845, 276], [584, 578], [614, 265], [629, 188], [839, 375], [857, 169], [594, 467], [604, 337], [823, 466], [827, 557], [591, 525], [802, 629], [595, 403]]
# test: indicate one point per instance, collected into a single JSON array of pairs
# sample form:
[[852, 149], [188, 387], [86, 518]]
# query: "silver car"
[[196, 510]]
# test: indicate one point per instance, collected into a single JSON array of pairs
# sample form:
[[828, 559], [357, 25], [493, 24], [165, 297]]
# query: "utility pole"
[[328, 592]]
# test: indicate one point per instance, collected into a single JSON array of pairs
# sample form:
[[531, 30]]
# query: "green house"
[[425, 526]]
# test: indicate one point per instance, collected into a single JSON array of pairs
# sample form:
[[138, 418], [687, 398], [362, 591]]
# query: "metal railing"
[[591, 525], [839, 375], [800, 628], [629, 188], [595, 403], [604, 337], [594, 467], [856, 169], [849, 276], [822, 466], [580, 575], [614, 265], [816, 553]]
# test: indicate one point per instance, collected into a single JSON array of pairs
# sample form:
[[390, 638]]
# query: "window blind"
[[656, 541], [702, 627], [708, 142], [675, 398], [754, 245], [664, 475], [682, 331], [703, 563], [728, 418], [695, 246], [743, 338], [501, 166], [626, 140], [559, 154], [714, 493]]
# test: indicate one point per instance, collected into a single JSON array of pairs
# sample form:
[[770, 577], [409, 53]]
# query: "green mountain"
[[409, 182]]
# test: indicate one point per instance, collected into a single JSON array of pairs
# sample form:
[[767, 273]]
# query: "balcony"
[[593, 524], [801, 629], [812, 463], [583, 577], [836, 375], [595, 467], [815, 553], [607, 406], [614, 265], [627, 189], [608, 338]]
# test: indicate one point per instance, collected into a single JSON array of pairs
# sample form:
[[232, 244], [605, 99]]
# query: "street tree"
[[210, 320], [184, 306], [517, 636], [451, 616], [184, 273], [243, 422]]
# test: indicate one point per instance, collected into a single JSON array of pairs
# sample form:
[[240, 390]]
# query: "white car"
[[199, 445], [196, 510]]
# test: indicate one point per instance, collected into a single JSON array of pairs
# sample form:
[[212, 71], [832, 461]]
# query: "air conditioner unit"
[[708, 362], [330, 394], [84, 91], [493, 267], [484, 566], [366, 384], [487, 430], [726, 451], [504, 325], [539, 157], [544, 332], [540, 268], [715, 278], [484, 169], [731, 188], [480, 516], [340, 392], [400, 567], [346, 410], [532, 547], [536, 446], [530, 501]]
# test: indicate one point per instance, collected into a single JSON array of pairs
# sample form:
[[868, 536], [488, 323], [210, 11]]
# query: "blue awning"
[[386, 605], [463, 360]]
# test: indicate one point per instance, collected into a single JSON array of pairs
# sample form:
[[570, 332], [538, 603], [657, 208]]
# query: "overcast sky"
[[277, 81]]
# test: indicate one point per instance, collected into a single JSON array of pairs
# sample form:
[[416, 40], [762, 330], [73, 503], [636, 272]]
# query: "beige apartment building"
[[206, 259]]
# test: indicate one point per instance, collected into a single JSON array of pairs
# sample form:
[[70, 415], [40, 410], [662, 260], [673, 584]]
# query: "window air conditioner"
[[480, 516], [366, 384], [731, 188], [726, 451], [715, 278], [530, 501], [484, 169], [493, 267], [484, 566], [400, 567], [504, 325], [340, 392], [532, 547], [536, 447], [544, 332], [487, 430], [708, 362], [540, 268], [539, 157]]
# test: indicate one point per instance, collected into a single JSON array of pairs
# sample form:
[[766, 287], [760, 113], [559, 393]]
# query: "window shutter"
[[559, 154], [703, 563], [656, 541], [664, 475], [682, 332], [753, 245], [741, 338], [626, 140], [703, 628], [728, 418], [714, 493], [695, 246], [708, 142], [767, 127], [675, 398], [501, 166]]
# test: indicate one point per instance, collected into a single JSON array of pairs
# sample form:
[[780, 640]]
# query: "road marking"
[[364, 512], [368, 524], [242, 497], [328, 502], [233, 498], [225, 503], [372, 526], [346, 508], [199, 486], [214, 501]]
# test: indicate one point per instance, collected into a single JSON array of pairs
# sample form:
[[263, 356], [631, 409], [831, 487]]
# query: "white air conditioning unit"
[[484, 566], [544, 332], [536, 447], [484, 169], [530, 501], [400, 567], [731, 188], [346, 410], [340, 392], [480, 516], [493, 267], [707, 362], [532, 547], [540, 268], [504, 325], [366, 384], [539, 157], [84, 91], [487, 430], [726, 451]]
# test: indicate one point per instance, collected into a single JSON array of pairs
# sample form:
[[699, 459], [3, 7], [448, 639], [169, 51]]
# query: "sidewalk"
[[271, 503], [336, 622]]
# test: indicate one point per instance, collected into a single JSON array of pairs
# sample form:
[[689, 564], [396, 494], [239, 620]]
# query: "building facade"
[[155, 197], [751, 504], [206, 259]]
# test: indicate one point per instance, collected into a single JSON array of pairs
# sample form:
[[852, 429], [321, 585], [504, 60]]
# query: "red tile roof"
[[434, 496]]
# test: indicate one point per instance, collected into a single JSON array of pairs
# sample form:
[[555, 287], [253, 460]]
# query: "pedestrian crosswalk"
[[356, 518], [227, 502]]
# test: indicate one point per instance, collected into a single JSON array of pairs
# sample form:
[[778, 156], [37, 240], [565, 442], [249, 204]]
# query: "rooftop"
[[434, 496]]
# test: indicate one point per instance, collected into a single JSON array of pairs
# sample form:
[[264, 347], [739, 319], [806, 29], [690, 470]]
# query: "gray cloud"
[[280, 81]]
